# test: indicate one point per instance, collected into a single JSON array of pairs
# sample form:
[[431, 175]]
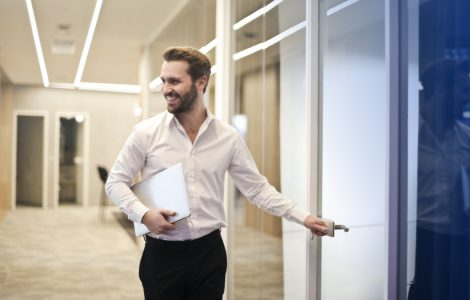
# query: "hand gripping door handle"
[[332, 227]]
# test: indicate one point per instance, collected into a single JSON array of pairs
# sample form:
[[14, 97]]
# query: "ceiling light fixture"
[[256, 14], [154, 84], [99, 87], [109, 87], [211, 45], [37, 43], [270, 42], [60, 85], [86, 47], [339, 7], [214, 69]]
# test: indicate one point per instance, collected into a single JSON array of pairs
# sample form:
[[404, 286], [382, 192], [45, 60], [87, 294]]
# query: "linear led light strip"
[[86, 47], [270, 42], [154, 84], [37, 43], [256, 14], [100, 87], [90, 86], [339, 7]]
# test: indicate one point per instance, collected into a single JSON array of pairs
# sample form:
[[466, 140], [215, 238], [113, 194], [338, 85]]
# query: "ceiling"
[[123, 28]]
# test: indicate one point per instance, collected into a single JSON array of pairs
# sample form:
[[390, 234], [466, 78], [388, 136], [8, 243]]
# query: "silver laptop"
[[164, 190]]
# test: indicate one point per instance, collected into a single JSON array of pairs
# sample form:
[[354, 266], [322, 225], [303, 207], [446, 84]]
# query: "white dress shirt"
[[161, 141]]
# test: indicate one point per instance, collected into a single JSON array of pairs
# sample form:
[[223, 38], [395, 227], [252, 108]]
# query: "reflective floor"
[[258, 265], [66, 253]]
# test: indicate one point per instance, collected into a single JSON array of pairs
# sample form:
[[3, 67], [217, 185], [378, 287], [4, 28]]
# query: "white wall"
[[355, 152], [111, 121]]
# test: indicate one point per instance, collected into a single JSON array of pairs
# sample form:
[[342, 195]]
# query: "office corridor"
[[66, 253]]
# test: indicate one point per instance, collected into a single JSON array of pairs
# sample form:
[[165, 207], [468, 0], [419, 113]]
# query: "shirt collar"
[[171, 119]]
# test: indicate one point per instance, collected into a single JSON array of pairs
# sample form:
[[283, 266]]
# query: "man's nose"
[[165, 88]]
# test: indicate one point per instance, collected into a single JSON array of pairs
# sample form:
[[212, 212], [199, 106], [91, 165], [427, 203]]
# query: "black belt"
[[208, 236]]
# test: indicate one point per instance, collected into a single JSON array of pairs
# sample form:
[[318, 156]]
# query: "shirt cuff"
[[298, 215], [139, 210]]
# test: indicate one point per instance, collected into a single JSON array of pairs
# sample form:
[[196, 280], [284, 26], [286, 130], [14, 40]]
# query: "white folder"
[[164, 190]]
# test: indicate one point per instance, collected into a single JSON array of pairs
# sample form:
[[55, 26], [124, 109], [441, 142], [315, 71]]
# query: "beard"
[[186, 103]]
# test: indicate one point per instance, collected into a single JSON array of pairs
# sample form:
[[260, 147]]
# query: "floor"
[[258, 268], [68, 253], [258, 263]]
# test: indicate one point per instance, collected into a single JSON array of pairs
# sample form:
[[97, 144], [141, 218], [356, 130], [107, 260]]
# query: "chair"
[[103, 173]]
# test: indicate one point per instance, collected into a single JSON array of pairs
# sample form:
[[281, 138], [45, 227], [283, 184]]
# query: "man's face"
[[178, 88]]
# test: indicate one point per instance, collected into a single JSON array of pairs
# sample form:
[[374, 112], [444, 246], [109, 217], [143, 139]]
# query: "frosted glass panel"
[[354, 148]]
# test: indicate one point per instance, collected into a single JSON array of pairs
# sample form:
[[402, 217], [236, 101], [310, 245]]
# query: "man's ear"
[[201, 83]]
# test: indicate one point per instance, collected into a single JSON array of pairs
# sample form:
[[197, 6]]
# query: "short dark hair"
[[199, 64]]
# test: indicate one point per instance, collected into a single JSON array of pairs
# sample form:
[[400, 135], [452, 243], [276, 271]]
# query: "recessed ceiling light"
[[66, 47]]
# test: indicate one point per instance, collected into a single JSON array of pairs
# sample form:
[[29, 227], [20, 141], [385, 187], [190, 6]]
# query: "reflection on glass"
[[442, 236], [194, 26], [258, 240]]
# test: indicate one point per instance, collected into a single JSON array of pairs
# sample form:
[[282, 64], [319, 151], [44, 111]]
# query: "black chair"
[[103, 173]]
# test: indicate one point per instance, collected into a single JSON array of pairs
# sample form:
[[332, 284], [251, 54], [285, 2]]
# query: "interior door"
[[353, 147], [30, 161], [71, 150]]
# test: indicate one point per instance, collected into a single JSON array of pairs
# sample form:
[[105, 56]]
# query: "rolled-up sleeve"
[[129, 163], [257, 189]]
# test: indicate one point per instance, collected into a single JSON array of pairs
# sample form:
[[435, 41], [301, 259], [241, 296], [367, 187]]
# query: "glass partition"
[[270, 112], [438, 112], [193, 26]]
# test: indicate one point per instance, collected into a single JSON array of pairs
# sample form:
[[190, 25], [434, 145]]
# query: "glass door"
[[269, 254], [438, 150], [353, 148], [71, 167]]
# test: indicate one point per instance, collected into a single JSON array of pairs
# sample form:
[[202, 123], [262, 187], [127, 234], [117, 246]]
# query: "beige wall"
[[111, 121], [263, 139], [5, 142]]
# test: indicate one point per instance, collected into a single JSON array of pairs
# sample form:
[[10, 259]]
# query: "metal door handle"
[[341, 227], [332, 227]]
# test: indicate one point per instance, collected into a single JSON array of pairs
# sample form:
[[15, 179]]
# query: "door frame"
[[86, 139], [313, 69], [45, 170]]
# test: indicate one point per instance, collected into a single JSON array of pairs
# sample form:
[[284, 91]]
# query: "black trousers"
[[184, 270]]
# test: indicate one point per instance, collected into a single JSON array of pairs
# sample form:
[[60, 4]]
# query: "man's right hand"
[[156, 220]]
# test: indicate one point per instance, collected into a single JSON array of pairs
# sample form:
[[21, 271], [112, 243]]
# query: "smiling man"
[[187, 259]]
